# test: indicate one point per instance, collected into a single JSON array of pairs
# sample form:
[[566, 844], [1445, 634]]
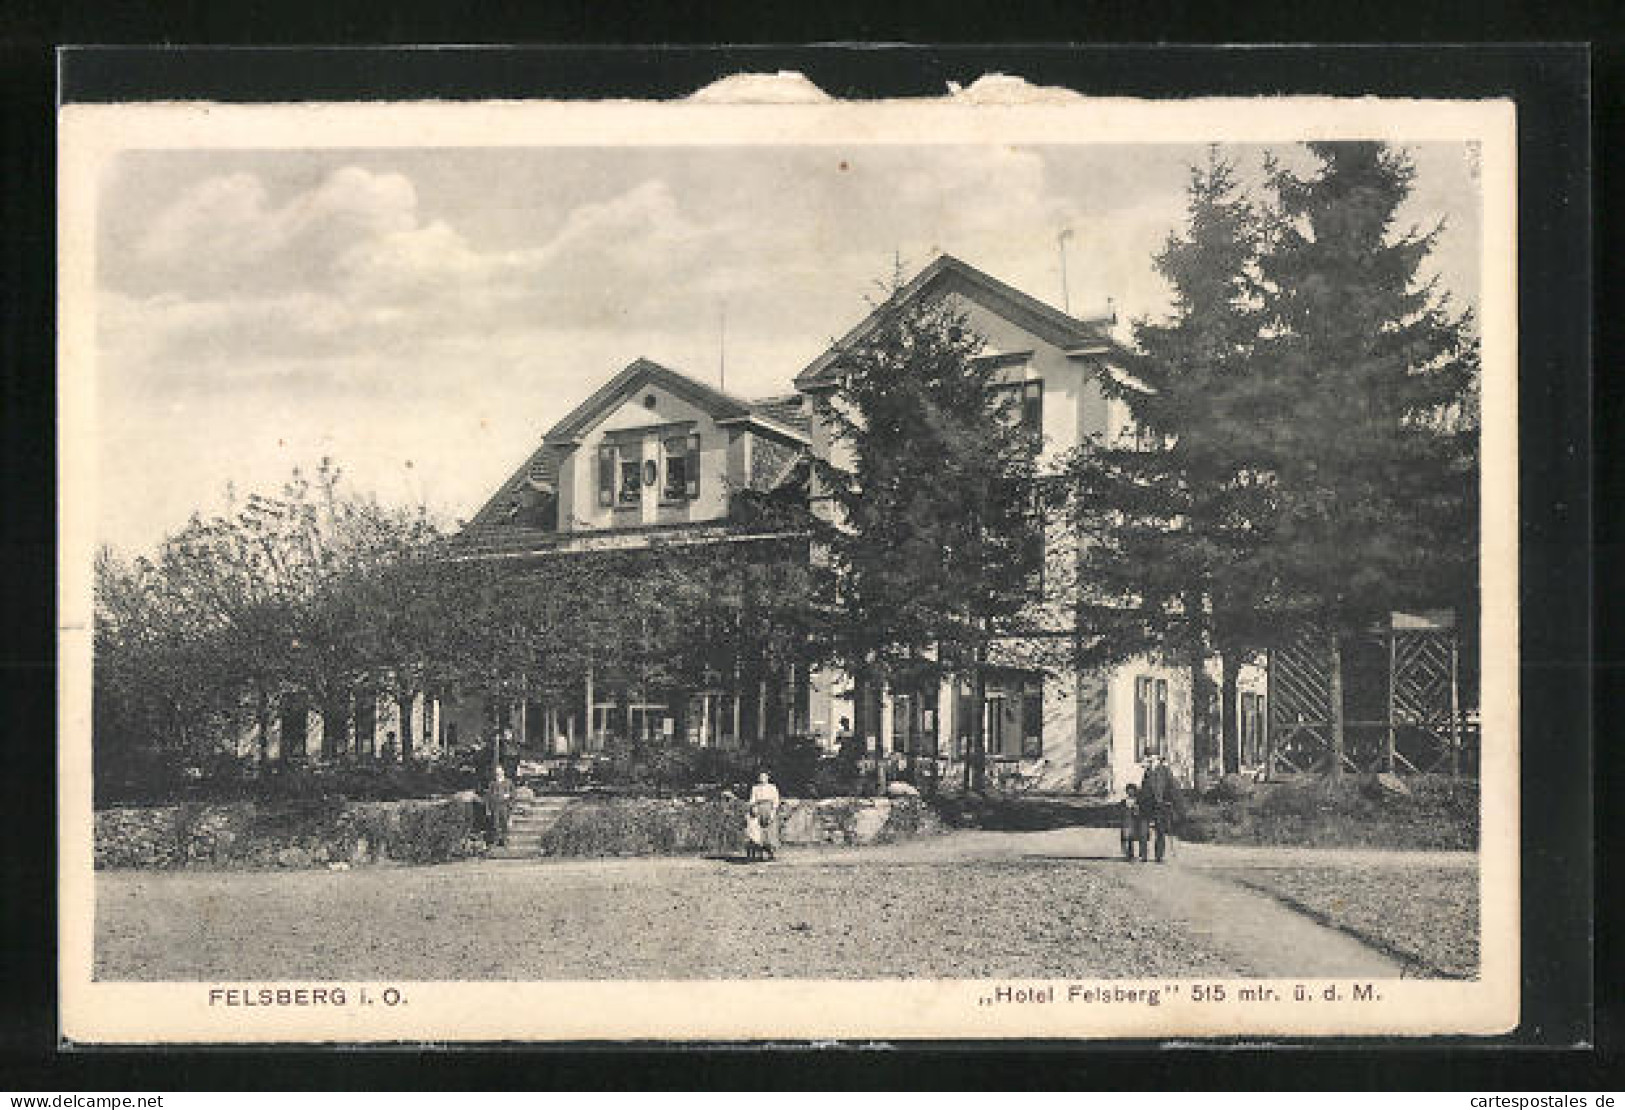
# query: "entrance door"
[[295, 723], [904, 708]]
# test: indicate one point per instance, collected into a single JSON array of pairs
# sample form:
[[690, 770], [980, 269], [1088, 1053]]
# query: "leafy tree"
[[159, 693], [271, 600], [937, 504], [1370, 371], [1172, 518]]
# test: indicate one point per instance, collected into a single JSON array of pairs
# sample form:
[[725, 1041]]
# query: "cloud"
[[448, 306], [223, 237], [351, 266]]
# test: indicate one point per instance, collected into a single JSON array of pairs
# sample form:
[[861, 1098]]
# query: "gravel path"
[[1055, 904]]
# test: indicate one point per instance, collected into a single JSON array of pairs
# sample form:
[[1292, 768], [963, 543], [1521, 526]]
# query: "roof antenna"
[[722, 346], [1066, 296]]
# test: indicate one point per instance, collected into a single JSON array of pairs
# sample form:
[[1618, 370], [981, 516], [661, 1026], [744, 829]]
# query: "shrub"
[[631, 827], [431, 832], [835, 776], [1438, 813], [909, 817], [660, 766], [795, 764]]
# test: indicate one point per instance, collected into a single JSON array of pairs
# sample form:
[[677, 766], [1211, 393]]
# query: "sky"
[[422, 316]]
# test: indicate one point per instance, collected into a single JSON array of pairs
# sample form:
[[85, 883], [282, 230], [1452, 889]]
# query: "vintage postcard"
[[766, 567]]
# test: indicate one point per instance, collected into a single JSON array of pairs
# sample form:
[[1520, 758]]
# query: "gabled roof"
[[723, 407], [778, 418], [789, 410], [540, 472], [948, 274]]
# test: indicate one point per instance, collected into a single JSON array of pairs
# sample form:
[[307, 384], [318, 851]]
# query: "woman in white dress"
[[762, 817]]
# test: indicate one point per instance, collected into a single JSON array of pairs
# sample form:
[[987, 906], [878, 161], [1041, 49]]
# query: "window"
[[963, 725], [1032, 407], [1150, 717], [366, 724], [1032, 721], [1032, 556], [1252, 728], [606, 475], [682, 468], [631, 457], [1162, 717], [998, 710]]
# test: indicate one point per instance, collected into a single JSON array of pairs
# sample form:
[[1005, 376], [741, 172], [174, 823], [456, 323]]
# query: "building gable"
[[610, 402], [948, 275]]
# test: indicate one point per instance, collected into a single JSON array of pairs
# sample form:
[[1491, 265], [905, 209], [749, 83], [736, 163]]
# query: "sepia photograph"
[[589, 571]]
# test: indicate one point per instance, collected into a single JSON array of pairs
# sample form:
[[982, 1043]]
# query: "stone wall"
[[855, 820], [318, 834], [683, 826]]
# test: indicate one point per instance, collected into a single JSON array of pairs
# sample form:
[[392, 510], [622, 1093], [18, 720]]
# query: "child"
[[1133, 825]]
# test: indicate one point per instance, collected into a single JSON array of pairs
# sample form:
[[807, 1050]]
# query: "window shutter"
[[1162, 715], [691, 466], [606, 476], [1142, 716]]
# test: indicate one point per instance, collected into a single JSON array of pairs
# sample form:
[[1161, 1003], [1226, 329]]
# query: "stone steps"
[[527, 824]]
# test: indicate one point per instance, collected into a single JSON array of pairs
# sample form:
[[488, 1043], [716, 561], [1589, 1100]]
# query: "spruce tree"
[[1170, 520], [1367, 368], [933, 481]]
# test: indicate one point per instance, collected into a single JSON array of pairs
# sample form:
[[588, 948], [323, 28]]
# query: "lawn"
[[686, 918], [1426, 917]]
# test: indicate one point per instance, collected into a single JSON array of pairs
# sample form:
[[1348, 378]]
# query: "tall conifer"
[[937, 503], [1369, 369], [1171, 515]]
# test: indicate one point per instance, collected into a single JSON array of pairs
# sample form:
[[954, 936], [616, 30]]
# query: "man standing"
[[1159, 802], [499, 805]]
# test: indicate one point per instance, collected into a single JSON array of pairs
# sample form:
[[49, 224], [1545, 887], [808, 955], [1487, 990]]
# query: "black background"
[[1550, 84]]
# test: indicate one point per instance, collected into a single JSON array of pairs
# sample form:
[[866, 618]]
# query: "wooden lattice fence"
[[1422, 731]]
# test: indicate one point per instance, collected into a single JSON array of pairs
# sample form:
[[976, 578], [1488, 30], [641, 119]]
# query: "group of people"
[[1149, 811]]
